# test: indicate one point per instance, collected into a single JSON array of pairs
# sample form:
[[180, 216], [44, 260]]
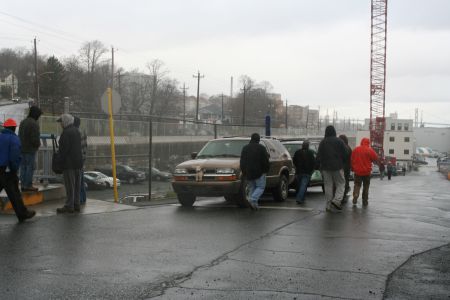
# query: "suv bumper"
[[206, 189]]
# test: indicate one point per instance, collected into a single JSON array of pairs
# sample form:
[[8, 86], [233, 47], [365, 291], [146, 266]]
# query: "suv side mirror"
[[194, 155]]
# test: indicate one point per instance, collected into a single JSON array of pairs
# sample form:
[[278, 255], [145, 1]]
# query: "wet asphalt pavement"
[[218, 251]]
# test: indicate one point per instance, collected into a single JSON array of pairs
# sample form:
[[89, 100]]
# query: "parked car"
[[16, 99], [91, 183], [124, 173], [160, 175], [292, 146], [375, 170], [215, 171], [107, 181], [156, 173]]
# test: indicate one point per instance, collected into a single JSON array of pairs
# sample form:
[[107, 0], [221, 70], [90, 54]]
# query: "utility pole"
[[198, 76], [184, 88], [231, 88], [112, 68], [243, 108], [286, 116], [36, 80], [222, 108]]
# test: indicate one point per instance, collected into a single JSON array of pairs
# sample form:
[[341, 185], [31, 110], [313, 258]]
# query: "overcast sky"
[[314, 52]]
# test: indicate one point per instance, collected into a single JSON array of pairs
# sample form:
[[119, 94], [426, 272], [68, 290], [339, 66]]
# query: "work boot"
[[365, 202], [65, 210], [28, 215], [355, 201]]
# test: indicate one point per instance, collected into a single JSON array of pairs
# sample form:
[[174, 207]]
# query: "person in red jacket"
[[362, 158]]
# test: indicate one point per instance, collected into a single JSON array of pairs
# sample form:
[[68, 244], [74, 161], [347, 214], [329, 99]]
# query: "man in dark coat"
[[71, 158], [304, 162], [347, 167], [254, 165], [29, 134], [9, 165], [331, 157]]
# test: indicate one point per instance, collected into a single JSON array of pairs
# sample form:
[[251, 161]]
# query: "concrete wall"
[[437, 139]]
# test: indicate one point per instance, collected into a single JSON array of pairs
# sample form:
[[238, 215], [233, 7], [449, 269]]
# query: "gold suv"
[[215, 171]]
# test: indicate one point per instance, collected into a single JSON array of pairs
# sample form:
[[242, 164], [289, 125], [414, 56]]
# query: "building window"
[[406, 151], [399, 126], [391, 151], [406, 139], [391, 139], [392, 126], [406, 125]]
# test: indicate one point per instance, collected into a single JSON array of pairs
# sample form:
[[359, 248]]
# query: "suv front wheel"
[[186, 199], [280, 193]]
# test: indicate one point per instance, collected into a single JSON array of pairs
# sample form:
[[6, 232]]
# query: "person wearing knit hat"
[[10, 149], [29, 134]]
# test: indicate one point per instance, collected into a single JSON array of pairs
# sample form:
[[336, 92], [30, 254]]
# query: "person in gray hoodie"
[[71, 158], [332, 156], [29, 134]]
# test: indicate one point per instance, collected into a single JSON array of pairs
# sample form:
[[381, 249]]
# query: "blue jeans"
[[256, 187], [27, 169], [303, 180]]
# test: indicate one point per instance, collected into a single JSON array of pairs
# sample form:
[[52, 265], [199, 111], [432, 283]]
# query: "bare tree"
[[157, 72], [90, 54]]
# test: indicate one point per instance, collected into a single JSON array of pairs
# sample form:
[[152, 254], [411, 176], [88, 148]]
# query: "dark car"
[[215, 171], [160, 175], [157, 174], [93, 183], [292, 146], [124, 173]]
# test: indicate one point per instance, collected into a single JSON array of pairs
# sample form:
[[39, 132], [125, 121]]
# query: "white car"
[[100, 177]]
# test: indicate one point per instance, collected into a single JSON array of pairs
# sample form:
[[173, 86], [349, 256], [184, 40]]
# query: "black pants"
[[347, 181], [365, 182], [10, 182]]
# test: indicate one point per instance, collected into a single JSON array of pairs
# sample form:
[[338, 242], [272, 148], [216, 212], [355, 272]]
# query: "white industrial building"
[[399, 140]]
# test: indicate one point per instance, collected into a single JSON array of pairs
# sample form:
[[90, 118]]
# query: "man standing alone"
[[331, 156], [9, 165], [71, 157], [362, 158], [254, 165], [304, 162], [29, 134]]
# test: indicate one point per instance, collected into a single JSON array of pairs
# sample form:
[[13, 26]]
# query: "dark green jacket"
[[29, 134]]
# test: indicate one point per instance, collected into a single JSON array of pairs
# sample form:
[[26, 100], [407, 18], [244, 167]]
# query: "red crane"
[[378, 75]]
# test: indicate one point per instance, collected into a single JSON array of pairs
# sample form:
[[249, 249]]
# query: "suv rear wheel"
[[186, 199], [280, 193]]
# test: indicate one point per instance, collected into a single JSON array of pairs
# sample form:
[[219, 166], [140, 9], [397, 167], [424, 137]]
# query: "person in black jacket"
[[254, 165], [29, 134], [304, 162], [331, 157], [347, 167], [71, 157]]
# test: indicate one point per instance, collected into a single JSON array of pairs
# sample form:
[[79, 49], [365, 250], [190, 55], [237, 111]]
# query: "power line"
[[40, 25]]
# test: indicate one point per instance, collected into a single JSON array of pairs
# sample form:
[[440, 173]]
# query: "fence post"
[[215, 131]]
